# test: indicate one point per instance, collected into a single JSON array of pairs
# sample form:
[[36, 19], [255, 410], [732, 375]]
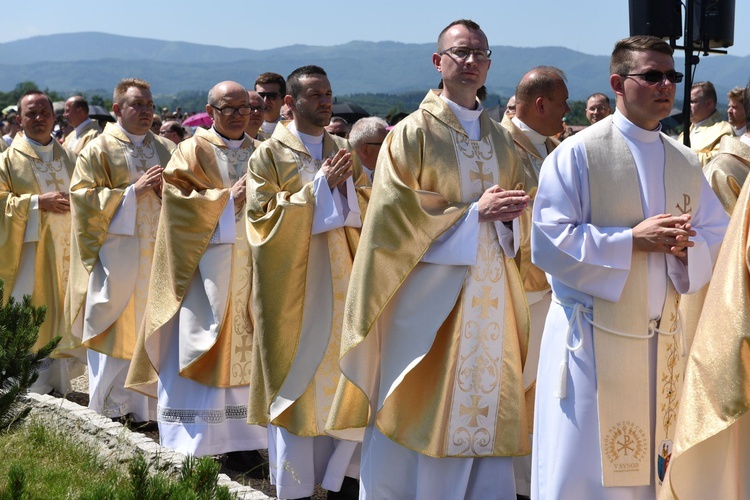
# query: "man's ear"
[[617, 83]]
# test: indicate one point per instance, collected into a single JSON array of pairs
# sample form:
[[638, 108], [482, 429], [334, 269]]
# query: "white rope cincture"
[[580, 312]]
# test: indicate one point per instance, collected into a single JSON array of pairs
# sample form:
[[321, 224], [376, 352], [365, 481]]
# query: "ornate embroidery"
[[189, 416]]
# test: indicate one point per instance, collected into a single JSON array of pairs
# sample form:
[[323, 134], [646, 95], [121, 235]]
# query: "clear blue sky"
[[588, 26]]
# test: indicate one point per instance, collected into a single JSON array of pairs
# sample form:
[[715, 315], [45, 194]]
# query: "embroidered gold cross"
[[480, 175], [484, 302], [57, 183], [245, 347], [686, 202], [474, 411]]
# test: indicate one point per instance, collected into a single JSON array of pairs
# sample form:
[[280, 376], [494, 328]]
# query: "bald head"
[[221, 98], [541, 100]]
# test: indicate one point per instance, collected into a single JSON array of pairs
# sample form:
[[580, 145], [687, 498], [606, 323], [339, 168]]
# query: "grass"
[[37, 462], [51, 465]]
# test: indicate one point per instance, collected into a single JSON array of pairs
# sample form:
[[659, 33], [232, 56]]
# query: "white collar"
[[81, 126], [232, 144], [633, 131], [137, 140], [535, 137]]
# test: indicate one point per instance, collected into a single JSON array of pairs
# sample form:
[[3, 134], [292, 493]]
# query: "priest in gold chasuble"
[[194, 347], [35, 233], [115, 203], [623, 223], [84, 128], [436, 322], [305, 203]]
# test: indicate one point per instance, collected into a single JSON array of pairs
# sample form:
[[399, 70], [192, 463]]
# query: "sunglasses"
[[654, 76], [269, 95]]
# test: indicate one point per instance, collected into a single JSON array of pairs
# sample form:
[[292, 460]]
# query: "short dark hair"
[[597, 94], [466, 23], [33, 92], [79, 102], [708, 90], [622, 59], [546, 80], [269, 77], [293, 80]]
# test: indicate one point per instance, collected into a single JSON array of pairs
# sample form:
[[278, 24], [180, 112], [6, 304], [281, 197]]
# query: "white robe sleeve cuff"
[[458, 245], [32, 223], [226, 230], [508, 238], [123, 222], [329, 209], [691, 278]]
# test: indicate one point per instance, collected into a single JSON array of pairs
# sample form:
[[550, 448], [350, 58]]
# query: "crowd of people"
[[447, 307]]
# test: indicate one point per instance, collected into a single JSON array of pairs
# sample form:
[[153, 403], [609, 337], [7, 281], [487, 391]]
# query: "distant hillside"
[[88, 61]]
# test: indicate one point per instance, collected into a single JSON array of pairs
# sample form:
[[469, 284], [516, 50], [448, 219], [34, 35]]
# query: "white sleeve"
[[123, 222], [458, 245], [226, 230], [564, 243], [710, 223], [32, 223], [332, 211], [509, 238]]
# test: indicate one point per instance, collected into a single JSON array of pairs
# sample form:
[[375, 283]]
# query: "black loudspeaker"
[[660, 18], [713, 24]]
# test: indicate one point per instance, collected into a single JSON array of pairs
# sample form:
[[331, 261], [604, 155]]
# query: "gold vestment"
[[88, 133], [194, 197], [21, 170], [101, 176], [417, 197], [280, 211], [705, 138]]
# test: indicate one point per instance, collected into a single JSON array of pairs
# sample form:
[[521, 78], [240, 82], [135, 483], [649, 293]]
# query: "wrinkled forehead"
[[315, 82]]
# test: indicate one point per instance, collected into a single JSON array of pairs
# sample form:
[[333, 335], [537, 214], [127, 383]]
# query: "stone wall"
[[115, 443]]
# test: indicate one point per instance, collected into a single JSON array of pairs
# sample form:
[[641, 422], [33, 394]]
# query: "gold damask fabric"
[[21, 171], [101, 176], [417, 196], [194, 197], [279, 227], [534, 279], [727, 172], [90, 132], [705, 139], [711, 453]]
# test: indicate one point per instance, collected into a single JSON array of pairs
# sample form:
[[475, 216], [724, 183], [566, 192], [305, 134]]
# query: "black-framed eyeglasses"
[[654, 76], [258, 109], [269, 95], [374, 143], [230, 111], [463, 53]]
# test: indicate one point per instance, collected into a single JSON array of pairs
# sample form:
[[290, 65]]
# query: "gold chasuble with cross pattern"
[[197, 184], [22, 175], [300, 281], [436, 351], [104, 170]]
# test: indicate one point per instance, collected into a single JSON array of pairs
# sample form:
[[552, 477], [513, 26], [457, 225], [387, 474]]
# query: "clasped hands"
[[504, 205], [337, 170], [149, 180], [665, 233]]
